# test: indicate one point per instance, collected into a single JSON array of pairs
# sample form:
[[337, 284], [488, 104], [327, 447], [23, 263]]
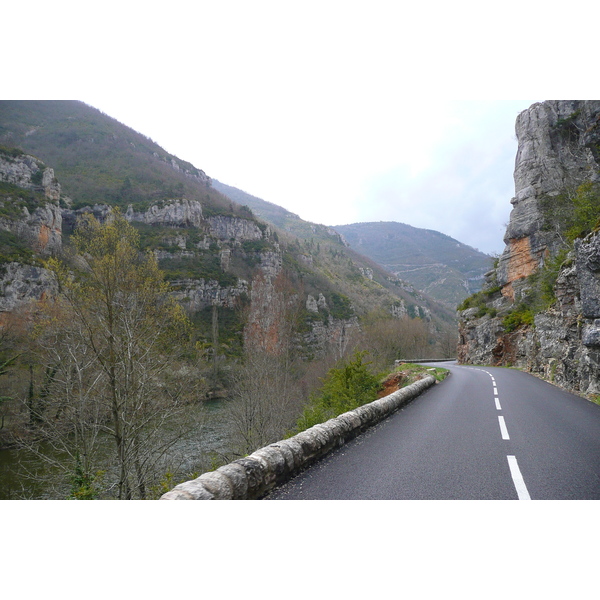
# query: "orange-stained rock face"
[[43, 236], [392, 383], [522, 262]]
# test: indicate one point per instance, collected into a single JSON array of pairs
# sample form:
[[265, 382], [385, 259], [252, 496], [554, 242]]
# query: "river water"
[[23, 475]]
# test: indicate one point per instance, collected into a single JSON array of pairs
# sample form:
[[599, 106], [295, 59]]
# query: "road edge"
[[252, 477]]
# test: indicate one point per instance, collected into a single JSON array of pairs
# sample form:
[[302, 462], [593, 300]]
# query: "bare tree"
[[387, 338], [265, 402], [111, 348], [266, 396]]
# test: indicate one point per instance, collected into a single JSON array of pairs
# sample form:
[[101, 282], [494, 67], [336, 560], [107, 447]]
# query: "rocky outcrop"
[[330, 334], [28, 172], [50, 185], [233, 228], [178, 212], [313, 305], [44, 229], [101, 212], [19, 170], [193, 173], [40, 227], [559, 145], [563, 343], [195, 294], [171, 213], [41, 230], [21, 284]]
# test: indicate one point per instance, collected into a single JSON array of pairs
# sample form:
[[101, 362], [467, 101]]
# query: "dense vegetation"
[[344, 388], [14, 249], [572, 215], [350, 384]]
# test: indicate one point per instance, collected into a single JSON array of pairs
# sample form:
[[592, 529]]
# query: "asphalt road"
[[483, 433]]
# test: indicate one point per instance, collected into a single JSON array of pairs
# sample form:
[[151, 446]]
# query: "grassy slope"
[[97, 159]]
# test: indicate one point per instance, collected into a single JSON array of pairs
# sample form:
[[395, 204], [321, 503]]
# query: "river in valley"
[[26, 476]]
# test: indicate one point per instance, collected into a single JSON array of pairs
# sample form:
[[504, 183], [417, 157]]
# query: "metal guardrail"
[[425, 360]]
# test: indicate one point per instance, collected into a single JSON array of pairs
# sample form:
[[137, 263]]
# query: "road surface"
[[483, 433]]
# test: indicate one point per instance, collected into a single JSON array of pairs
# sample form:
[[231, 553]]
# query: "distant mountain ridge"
[[313, 233], [435, 263]]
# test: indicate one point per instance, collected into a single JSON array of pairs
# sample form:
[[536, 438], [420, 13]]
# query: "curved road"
[[483, 433]]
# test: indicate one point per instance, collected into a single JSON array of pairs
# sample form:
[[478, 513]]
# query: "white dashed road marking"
[[515, 472], [520, 486], [503, 429]]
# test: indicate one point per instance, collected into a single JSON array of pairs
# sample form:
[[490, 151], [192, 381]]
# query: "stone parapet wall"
[[254, 476]]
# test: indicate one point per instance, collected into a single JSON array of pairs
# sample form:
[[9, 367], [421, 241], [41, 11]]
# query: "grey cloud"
[[466, 194]]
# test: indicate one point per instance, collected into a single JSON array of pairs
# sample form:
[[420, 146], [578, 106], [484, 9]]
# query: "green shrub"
[[340, 306], [37, 177], [345, 388], [203, 265], [586, 210], [10, 151], [13, 249], [572, 216], [480, 301], [256, 246], [518, 317], [14, 198]]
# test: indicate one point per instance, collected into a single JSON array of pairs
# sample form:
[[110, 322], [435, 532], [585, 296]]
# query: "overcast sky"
[[338, 111]]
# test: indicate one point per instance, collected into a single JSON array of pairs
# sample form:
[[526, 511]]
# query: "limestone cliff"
[[213, 261], [172, 213], [539, 309], [21, 283], [35, 218], [30, 227], [558, 149]]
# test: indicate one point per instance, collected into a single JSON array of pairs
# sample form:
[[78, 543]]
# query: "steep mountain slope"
[[540, 308], [272, 213], [98, 159], [314, 235], [434, 263], [217, 254]]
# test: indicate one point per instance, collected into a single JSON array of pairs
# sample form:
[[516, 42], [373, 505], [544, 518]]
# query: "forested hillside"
[[96, 158]]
